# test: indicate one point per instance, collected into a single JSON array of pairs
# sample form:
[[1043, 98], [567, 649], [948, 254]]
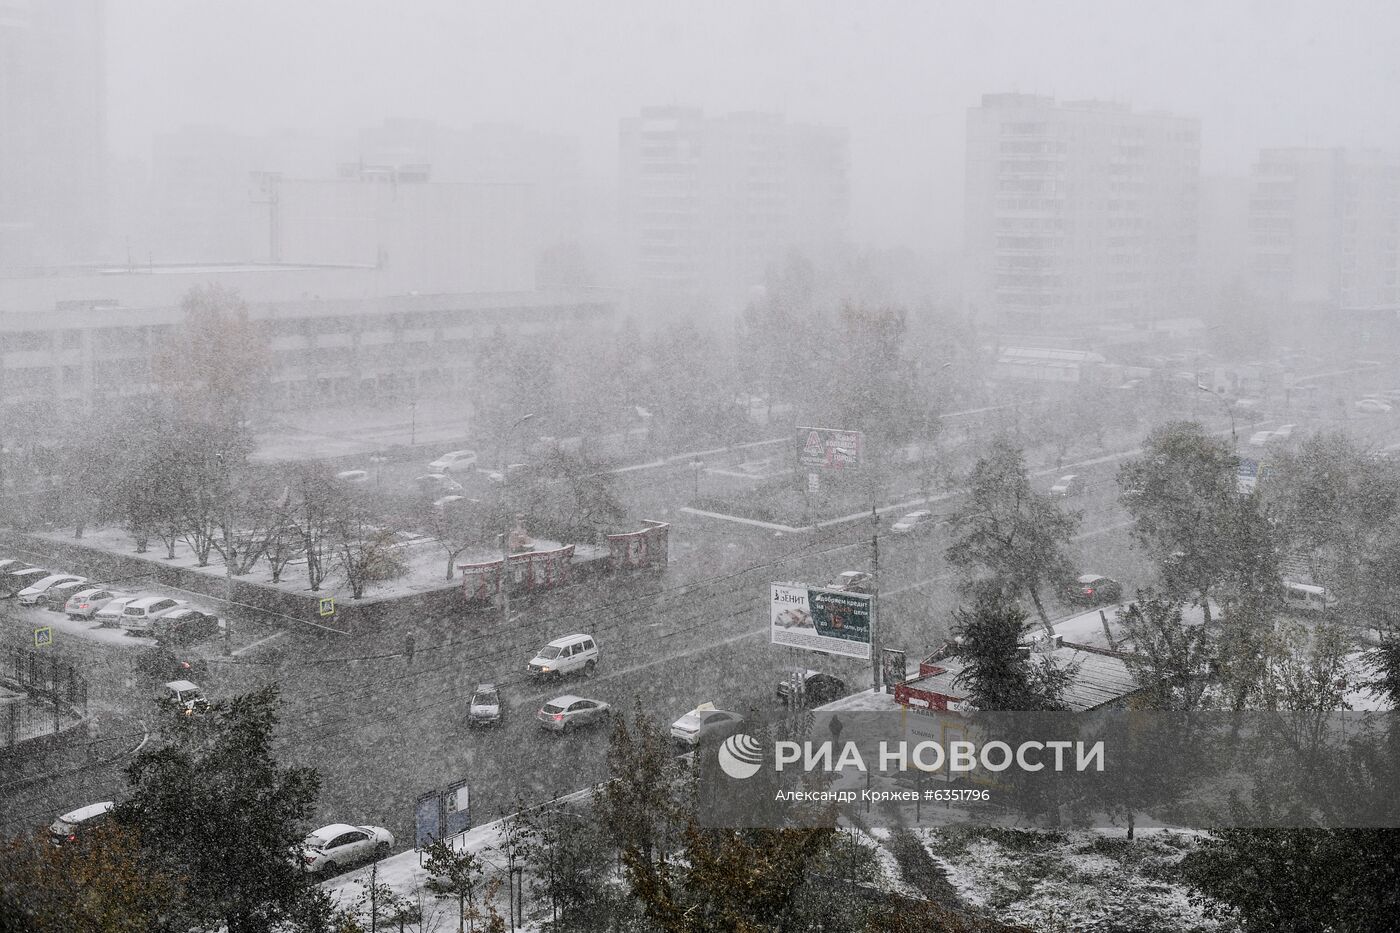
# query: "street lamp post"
[[1234, 438], [505, 532]]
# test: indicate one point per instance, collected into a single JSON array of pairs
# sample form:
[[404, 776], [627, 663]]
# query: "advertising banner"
[[831, 621], [638, 549], [828, 448]]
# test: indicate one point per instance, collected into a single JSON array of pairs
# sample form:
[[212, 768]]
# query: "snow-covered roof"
[[1100, 679]]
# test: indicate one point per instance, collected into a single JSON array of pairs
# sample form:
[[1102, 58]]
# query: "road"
[[383, 728]]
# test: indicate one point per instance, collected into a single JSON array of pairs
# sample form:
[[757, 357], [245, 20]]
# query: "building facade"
[[74, 344], [709, 202], [1078, 213], [53, 137], [1324, 227]]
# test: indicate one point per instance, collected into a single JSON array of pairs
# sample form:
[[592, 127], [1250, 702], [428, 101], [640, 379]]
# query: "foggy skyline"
[[900, 76]]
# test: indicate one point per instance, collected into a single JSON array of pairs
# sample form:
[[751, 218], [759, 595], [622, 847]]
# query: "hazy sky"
[[900, 75]]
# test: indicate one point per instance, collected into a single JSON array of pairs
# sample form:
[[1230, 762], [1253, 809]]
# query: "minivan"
[[75, 823], [571, 654]]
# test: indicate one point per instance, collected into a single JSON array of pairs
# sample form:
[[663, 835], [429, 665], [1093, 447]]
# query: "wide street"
[[382, 727]]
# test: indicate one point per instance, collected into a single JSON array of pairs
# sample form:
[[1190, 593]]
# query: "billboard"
[[827, 448], [817, 619], [441, 814]]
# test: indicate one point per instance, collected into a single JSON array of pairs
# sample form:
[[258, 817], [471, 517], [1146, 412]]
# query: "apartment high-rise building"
[[1079, 213], [1325, 227], [52, 131], [709, 202]]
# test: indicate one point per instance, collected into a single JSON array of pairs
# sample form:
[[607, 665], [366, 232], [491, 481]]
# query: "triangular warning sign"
[[814, 446]]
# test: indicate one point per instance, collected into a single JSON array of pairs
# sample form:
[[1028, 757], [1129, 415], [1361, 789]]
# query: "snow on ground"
[[424, 557], [34, 617], [1081, 880]]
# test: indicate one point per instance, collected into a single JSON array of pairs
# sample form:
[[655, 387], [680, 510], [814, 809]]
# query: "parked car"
[[1067, 486], [1092, 589], [705, 723], [138, 614], [817, 688], [449, 502], [11, 564], [1306, 596], [184, 625], [566, 713], [72, 826], [110, 615], [14, 581], [854, 581], [1283, 432], [914, 520], [1260, 438], [485, 706], [572, 654], [437, 482], [512, 470], [340, 845], [1373, 406], [56, 597], [85, 603], [29, 596], [454, 460], [161, 664], [185, 695]]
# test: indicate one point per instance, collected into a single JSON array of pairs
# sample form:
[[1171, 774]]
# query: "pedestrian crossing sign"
[[43, 637], [327, 605]]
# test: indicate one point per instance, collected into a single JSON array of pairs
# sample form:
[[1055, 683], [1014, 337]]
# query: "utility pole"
[[875, 597], [505, 536]]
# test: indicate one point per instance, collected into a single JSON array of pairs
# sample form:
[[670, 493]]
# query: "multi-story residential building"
[[52, 131], [1325, 227], [1078, 213], [78, 342], [709, 202]]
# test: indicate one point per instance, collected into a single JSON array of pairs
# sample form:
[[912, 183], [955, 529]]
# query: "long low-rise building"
[[70, 343]]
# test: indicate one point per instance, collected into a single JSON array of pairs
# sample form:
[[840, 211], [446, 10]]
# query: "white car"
[[1067, 486], [110, 615], [1373, 406], [485, 706], [138, 614], [1260, 438], [353, 476], [704, 722], [454, 460], [912, 521], [340, 845], [31, 593]]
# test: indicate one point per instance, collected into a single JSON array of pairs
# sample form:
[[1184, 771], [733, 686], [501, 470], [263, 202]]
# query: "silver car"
[[566, 713]]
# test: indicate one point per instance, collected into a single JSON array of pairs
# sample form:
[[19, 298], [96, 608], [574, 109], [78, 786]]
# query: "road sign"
[[43, 637], [1247, 476], [327, 605]]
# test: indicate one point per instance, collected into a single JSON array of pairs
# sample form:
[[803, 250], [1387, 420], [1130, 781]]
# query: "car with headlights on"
[[1092, 589], [333, 848]]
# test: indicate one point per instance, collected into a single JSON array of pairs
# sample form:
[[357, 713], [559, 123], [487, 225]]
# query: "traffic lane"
[[374, 773]]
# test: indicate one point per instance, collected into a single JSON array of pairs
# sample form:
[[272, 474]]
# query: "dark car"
[[56, 597], [183, 626], [1092, 589], [160, 663], [812, 688]]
